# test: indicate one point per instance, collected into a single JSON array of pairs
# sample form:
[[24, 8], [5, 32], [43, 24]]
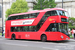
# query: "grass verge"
[[0, 33], [71, 36]]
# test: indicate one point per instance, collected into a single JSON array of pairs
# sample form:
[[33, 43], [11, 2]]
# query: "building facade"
[[6, 5], [68, 5]]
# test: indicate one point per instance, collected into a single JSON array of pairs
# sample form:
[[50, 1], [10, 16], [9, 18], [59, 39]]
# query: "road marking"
[[40, 42], [37, 42], [16, 44], [27, 45], [49, 48], [30, 46]]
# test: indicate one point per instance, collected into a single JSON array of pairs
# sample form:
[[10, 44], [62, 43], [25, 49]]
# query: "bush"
[[71, 36], [20, 6], [0, 33], [71, 27]]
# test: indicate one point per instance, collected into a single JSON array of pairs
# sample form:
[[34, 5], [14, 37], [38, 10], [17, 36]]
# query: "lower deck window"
[[24, 29]]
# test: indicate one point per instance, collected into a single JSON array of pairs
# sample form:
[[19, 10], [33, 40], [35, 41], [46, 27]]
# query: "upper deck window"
[[53, 13], [24, 16], [63, 13]]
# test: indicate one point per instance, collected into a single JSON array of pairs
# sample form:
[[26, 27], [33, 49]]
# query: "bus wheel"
[[43, 38], [13, 37]]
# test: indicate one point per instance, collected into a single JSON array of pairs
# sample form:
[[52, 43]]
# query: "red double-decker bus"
[[48, 24]]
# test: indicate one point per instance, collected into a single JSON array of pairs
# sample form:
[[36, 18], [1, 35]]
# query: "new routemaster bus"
[[48, 24]]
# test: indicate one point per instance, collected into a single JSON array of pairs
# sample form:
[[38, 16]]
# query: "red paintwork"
[[45, 10], [54, 36]]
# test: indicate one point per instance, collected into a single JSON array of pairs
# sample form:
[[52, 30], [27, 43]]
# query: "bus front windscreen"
[[63, 13]]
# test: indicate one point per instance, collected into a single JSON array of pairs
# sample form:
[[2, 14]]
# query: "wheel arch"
[[42, 35], [13, 35]]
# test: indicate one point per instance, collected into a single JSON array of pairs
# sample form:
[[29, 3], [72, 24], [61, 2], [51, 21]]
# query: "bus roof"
[[44, 10]]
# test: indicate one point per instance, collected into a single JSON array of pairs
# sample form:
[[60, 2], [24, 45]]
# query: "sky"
[[63, 0], [56, 0]]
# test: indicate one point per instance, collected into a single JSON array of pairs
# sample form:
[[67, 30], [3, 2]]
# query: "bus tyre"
[[43, 38], [13, 37]]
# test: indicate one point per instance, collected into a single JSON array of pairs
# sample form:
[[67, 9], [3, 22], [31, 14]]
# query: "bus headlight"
[[66, 38], [62, 37]]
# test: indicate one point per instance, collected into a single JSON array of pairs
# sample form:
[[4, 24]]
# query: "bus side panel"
[[65, 37], [47, 23], [41, 14], [7, 29], [53, 36], [26, 35], [56, 36]]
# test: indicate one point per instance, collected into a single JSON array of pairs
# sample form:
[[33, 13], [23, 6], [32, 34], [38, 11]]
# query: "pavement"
[[72, 40], [2, 37]]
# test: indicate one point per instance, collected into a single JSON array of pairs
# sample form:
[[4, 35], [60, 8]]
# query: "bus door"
[[53, 31]]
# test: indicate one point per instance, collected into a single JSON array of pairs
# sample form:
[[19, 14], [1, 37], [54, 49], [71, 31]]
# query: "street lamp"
[[62, 3], [2, 18], [41, 4]]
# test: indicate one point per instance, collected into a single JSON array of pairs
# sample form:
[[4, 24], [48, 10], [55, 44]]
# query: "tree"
[[71, 21], [19, 6], [42, 4]]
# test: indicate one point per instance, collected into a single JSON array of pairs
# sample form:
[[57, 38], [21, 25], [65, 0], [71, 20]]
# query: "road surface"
[[7, 44]]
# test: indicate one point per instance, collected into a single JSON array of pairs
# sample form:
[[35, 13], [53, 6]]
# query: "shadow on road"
[[65, 41]]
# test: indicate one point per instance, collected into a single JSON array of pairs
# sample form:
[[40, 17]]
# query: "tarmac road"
[[7, 44]]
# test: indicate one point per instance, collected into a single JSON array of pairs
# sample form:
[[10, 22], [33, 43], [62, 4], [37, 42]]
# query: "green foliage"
[[71, 21], [45, 4], [71, 36], [71, 27], [19, 6], [0, 33]]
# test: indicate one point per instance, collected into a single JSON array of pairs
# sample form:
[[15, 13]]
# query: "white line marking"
[[15, 44], [40, 42], [49, 48], [31, 46], [1, 39]]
